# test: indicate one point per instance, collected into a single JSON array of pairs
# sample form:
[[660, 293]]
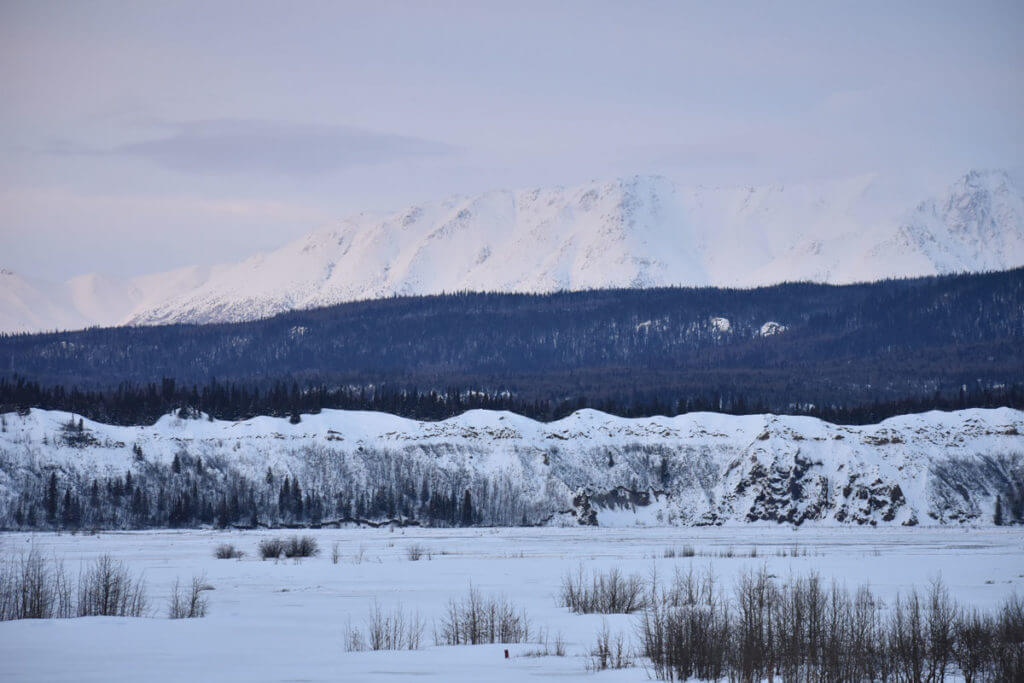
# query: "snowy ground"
[[286, 621]]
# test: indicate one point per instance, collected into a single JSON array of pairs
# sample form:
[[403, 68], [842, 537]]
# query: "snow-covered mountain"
[[699, 468], [33, 305], [636, 232]]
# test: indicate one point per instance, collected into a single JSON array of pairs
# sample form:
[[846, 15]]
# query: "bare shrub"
[[475, 620], [359, 556], [354, 639], [686, 588], [939, 630], [271, 548], [394, 630], [64, 607], [415, 552], [547, 647], [294, 547], [36, 588], [32, 587], [608, 593], [226, 551], [1009, 637], [301, 546], [801, 629], [559, 645], [335, 552], [108, 589], [686, 641], [8, 590], [907, 642], [866, 636], [754, 592], [973, 644], [609, 652], [188, 603]]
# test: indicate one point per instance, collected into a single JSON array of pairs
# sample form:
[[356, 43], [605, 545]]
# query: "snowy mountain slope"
[[965, 230], [32, 305], [700, 468], [636, 232]]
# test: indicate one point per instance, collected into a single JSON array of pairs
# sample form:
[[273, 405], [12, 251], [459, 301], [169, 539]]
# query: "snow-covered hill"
[[636, 232], [701, 468]]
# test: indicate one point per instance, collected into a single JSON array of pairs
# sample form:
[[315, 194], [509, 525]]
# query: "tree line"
[[129, 404]]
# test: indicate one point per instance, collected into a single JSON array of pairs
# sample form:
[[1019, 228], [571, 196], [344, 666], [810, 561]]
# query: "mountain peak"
[[977, 175], [632, 231], [977, 224]]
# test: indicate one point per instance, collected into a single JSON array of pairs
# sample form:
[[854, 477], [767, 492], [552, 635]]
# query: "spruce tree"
[[51, 502], [67, 512], [467, 509], [223, 517], [285, 496], [296, 499]]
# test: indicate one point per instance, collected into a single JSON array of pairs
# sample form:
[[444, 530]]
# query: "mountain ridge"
[[634, 232]]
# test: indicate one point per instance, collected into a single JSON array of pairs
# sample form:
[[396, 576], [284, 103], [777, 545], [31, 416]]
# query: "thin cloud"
[[226, 146]]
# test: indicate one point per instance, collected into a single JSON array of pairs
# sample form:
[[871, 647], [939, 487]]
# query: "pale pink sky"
[[144, 136]]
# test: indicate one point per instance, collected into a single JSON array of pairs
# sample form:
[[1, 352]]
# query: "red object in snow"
[[506, 654]]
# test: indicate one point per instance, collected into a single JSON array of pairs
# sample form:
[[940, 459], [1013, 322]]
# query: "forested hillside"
[[854, 353]]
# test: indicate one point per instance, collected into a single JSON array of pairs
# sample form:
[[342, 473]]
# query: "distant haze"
[[139, 137]]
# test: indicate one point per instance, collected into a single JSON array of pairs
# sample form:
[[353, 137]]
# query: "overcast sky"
[[141, 136]]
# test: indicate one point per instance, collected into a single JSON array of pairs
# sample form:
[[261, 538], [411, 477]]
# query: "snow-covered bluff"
[[636, 232], [700, 468]]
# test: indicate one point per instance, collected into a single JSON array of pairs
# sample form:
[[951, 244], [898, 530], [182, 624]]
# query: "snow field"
[[286, 620]]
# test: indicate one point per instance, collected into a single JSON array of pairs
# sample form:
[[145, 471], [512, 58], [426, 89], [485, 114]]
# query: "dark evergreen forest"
[[189, 494], [853, 353]]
